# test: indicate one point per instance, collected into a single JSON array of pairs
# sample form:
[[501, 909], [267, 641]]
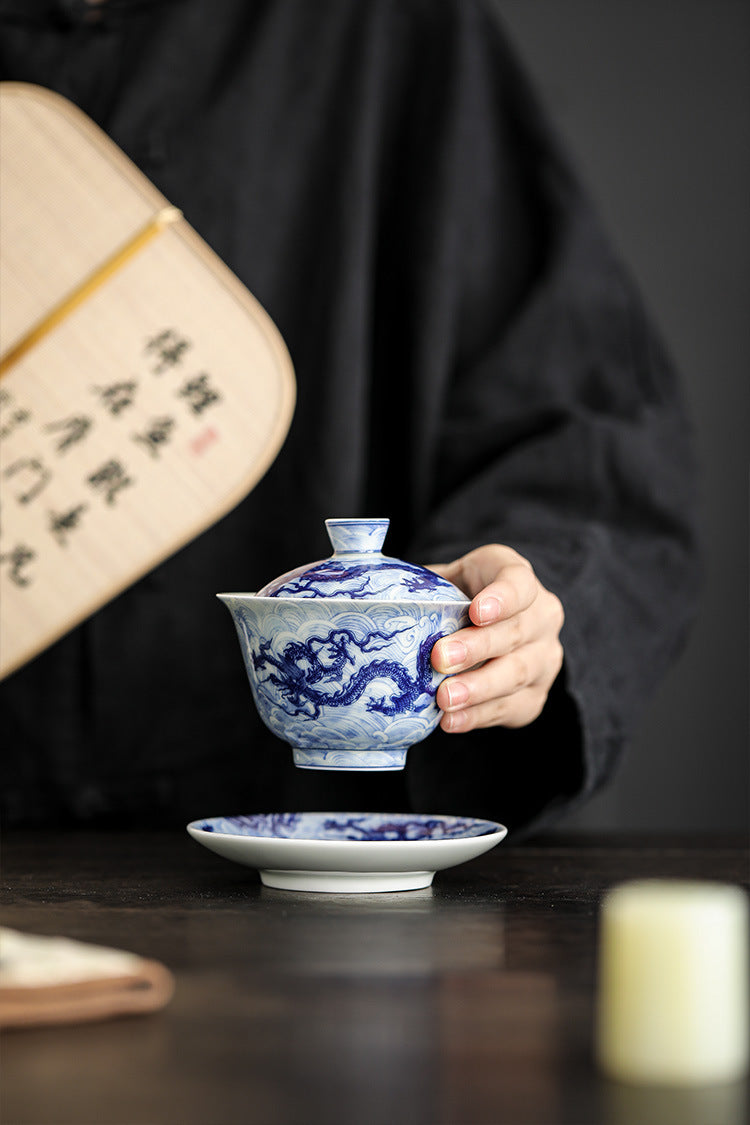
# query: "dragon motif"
[[354, 580], [324, 672]]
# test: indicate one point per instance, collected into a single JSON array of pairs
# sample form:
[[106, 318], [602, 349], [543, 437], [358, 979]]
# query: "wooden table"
[[464, 1004]]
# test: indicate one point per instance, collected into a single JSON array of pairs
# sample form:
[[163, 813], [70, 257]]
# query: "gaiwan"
[[338, 652]]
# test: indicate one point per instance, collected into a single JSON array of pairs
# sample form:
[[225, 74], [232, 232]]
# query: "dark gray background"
[[653, 99]]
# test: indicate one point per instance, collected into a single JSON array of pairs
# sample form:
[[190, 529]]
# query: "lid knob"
[[357, 536]]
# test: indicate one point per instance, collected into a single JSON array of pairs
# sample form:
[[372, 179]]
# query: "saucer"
[[350, 853]]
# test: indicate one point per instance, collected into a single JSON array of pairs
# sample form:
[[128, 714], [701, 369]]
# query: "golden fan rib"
[[77, 296]]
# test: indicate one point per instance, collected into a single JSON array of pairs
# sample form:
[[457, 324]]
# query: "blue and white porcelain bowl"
[[338, 652]]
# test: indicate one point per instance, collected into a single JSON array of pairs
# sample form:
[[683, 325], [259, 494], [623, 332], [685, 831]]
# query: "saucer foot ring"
[[346, 882]]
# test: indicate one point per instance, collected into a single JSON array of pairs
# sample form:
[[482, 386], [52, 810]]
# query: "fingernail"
[[457, 693], [488, 609], [453, 653], [454, 721]]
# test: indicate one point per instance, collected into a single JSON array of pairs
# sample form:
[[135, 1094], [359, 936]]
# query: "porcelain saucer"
[[350, 853]]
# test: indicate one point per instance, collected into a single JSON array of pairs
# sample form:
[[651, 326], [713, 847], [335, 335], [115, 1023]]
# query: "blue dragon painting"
[[328, 671], [359, 580]]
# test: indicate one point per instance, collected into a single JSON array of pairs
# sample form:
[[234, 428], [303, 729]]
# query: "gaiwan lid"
[[359, 569]]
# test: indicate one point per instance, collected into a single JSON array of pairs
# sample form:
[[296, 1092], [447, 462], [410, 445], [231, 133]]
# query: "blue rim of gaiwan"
[[382, 828], [358, 569]]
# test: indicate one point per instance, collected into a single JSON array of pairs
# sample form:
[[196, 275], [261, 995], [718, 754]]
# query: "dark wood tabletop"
[[468, 1003]]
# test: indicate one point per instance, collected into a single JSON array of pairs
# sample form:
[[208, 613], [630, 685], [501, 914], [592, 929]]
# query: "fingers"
[[541, 619], [509, 690], [472, 646], [508, 595], [501, 668], [517, 710], [472, 573]]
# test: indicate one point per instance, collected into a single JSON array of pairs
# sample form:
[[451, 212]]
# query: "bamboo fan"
[[144, 390]]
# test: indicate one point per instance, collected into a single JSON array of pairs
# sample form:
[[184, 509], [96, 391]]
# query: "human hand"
[[501, 667]]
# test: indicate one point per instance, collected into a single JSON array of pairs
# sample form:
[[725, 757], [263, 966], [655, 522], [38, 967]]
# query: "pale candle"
[[672, 1005]]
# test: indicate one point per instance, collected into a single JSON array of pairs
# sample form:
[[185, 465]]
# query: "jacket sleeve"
[[559, 428]]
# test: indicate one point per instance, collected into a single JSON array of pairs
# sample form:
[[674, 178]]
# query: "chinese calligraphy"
[[34, 472], [81, 436], [18, 559], [60, 525], [74, 428], [16, 419], [198, 393], [168, 348], [117, 396], [110, 478], [156, 434]]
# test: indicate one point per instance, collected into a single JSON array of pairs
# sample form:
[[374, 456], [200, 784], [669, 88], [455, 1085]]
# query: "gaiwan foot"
[[321, 759]]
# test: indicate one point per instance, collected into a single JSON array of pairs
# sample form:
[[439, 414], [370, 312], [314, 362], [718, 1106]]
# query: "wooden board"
[[140, 402]]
